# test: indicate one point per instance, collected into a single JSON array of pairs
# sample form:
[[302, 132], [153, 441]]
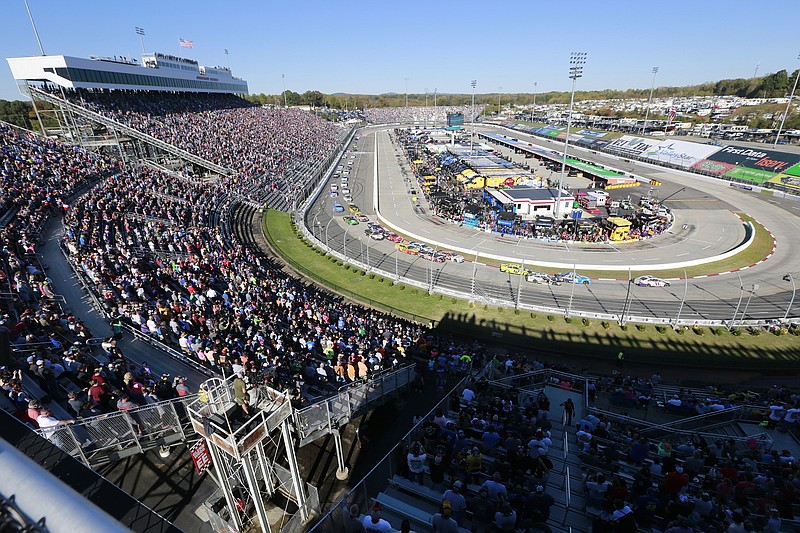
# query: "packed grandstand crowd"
[[147, 245], [419, 114]]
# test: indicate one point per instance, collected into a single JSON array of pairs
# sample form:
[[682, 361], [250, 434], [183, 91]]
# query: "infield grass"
[[701, 347]]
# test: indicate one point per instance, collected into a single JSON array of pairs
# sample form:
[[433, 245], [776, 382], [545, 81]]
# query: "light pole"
[[627, 297], [140, 33], [576, 62], [789, 277], [499, 94], [746, 305], [683, 300], [283, 78], [534, 99], [572, 289], [791, 97], [473, 83], [434, 107], [406, 91], [426, 108], [741, 295], [33, 25], [652, 86]]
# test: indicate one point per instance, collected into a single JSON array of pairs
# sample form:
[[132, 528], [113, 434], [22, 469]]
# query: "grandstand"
[[156, 213]]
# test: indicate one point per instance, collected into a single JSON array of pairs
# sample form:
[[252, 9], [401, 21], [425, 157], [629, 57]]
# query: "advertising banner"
[[682, 153], [766, 160], [752, 175], [716, 168], [787, 181], [590, 133], [794, 171]]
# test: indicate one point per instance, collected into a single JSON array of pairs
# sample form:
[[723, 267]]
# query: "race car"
[[362, 217], [374, 234], [432, 256], [351, 220], [338, 208], [650, 281], [394, 237], [513, 268], [541, 277], [573, 277], [354, 208], [452, 256], [407, 248]]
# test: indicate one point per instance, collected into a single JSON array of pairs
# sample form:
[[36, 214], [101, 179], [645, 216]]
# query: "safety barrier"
[[329, 414]]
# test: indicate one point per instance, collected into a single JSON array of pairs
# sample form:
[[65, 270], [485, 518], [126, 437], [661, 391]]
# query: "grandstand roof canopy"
[[156, 72]]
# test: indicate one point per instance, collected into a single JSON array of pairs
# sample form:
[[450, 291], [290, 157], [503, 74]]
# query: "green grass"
[[594, 338]]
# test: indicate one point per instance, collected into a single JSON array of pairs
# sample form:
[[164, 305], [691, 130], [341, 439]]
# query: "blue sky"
[[372, 46]]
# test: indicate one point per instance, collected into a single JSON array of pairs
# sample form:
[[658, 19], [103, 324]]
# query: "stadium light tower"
[[434, 107], [35, 31], [406, 91], [576, 62], [140, 33], [473, 83], [426, 108], [647, 113], [534, 99], [283, 79], [791, 97], [499, 94]]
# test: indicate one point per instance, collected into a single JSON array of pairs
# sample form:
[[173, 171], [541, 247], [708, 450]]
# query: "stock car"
[[338, 208], [452, 256], [650, 281], [432, 256], [421, 246], [354, 208], [573, 277], [351, 220], [374, 234], [362, 217], [394, 237], [347, 198], [407, 248], [541, 277], [513, 268]]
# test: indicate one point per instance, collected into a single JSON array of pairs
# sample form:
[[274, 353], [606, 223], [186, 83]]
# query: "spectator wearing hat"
[[416, 462], [352, 522], [442, 521], [458, 504], [373, 523], [541, 502]]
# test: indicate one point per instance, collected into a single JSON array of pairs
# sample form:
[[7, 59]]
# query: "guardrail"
[[329, 414], [514, 302]]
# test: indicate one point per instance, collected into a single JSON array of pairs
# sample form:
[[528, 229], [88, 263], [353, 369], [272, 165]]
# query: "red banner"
[[200, 456]]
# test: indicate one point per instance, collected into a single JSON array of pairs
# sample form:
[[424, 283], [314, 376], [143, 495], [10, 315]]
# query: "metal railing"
[[104, 438], [761, 438], [329, 414]]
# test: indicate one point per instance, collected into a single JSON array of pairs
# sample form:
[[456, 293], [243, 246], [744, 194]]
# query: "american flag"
[[672, 113], [186, 43]]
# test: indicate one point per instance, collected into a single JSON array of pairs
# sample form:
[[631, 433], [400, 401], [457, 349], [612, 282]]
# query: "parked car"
[[513, 268], [650, 281], [338, 208], [541, 277], [573, 277]]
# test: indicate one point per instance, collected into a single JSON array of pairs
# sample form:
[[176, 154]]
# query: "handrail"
[[568, 497], [640, 422], [675, 424]]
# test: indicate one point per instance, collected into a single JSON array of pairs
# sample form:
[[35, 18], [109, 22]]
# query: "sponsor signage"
[[752, 175], [794, 171], [756, 158], [716, 168], [200, 456], [590, 133], [680, 153]]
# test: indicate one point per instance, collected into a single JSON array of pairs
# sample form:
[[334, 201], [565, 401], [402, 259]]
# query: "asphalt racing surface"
[[707, 207]]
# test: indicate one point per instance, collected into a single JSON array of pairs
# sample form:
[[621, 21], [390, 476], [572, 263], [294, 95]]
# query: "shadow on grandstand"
[[102, 493], [670, 348]]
